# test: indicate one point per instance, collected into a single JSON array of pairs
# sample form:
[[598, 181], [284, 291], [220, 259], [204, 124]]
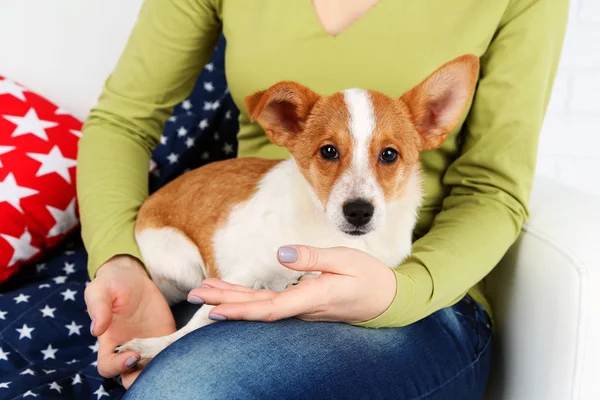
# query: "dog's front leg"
[[148, 348]]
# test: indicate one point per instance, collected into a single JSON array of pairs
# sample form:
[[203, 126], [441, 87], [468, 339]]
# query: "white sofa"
[[546, 292]]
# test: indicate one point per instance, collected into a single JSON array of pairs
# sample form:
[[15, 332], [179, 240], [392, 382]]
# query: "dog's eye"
[[388, 155], [329, 152]]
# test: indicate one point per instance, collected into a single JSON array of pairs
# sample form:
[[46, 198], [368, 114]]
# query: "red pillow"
[[38, 152]]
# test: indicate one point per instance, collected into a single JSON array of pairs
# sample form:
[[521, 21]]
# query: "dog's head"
[[358, 148]]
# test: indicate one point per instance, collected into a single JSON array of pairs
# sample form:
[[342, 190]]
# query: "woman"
[[438, 337]]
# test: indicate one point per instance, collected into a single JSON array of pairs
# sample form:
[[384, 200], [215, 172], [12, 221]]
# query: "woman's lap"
[[444, 356]]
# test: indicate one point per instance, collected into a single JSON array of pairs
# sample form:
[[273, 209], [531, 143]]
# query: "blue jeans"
[[444, 356]]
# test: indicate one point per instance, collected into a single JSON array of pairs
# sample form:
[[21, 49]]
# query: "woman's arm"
[[491, 180], [169, 45]]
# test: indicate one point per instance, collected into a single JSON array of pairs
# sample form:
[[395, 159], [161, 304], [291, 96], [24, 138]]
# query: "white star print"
[[69, 268], [4, 385], [23, 250], [73, 361], [203, 124], [76, 133], [228, 148], [25, 332], [94, 348], [215, 105], [40, 267], [61, 111], [69, 252], [30, 393], [49, 371], [100, 392], [65, 220], [207, 106], [182, 132], [94, 364], [216, 136], [209, 67], [208, 86], [173, 118], [190, 142], [44, 285], [4, 354], [54, 162], [173, 158], [9, 87], [69, 294], [12, 193], [47, 311], [56, 387], [76, 380], [49, 352], [186, 105], [3, 314], [74, 328], [163, 140], [60, 279], [5, 149], [228, 114], [28, 372], [30, 124], [21, 298], [205, 155]]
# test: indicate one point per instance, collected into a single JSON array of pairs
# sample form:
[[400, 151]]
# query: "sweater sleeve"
[[490, 181], [169, 45]]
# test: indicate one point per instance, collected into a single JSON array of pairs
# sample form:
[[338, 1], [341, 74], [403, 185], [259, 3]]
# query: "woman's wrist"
[[122, 261]]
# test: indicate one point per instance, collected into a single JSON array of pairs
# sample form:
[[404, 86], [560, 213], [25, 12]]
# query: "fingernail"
[[92, 327], [205, 286], [195, 300], [287, 254], [216, 317], [131, 361]]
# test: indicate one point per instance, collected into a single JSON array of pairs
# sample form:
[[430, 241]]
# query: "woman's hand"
[[353, 287], [125, 304]]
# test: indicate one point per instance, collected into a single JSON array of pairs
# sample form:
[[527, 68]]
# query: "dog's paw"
[[146, 348]]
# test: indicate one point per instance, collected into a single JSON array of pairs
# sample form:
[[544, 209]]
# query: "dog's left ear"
[[438, 103], [282, 110]]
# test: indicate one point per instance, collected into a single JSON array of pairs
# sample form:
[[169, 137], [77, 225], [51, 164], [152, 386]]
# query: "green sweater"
[[477, 185]]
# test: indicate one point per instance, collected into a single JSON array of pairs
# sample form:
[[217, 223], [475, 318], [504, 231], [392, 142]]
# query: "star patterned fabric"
[[38, 154], [46, 349]]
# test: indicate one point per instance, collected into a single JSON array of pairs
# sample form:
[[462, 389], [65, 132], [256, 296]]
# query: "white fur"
[[359, 181]]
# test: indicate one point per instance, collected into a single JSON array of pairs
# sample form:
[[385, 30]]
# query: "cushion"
[[38, 151]]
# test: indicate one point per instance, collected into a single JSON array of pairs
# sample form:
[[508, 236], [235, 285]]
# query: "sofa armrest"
[[546, 299]]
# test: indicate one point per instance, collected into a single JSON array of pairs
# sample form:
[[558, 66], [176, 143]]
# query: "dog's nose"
[[358, 212]]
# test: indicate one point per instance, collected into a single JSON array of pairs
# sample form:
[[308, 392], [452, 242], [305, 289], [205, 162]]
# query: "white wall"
[[570, 143], [37, 38]]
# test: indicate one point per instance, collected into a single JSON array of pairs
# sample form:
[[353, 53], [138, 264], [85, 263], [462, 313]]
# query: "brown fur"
[[198, 203]]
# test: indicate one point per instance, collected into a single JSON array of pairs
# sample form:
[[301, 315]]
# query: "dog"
[[353, 179]]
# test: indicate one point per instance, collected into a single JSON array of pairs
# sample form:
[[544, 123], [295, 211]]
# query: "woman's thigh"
[[444, 356]]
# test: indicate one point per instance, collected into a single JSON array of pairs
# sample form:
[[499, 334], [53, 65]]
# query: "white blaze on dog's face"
[[357, 148]]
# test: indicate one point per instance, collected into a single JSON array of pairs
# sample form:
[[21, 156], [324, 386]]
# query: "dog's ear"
[[438, 103], [281, 110]]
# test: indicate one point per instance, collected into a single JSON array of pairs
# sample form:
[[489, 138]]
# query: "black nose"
[[358, 212]]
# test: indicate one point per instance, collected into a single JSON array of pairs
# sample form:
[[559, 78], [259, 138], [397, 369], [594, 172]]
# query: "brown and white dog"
[[353, 180]]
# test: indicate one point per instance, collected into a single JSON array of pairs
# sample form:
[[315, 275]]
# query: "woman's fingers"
[[219, 284], [335, 260], [215, 296], [111, 364], [298, 300], [99, 306]]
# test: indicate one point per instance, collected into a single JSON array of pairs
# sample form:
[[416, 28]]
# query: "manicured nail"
[[92, 327], [216, 317], [195, 300], [287, 254], [205, 286], [131, 361]]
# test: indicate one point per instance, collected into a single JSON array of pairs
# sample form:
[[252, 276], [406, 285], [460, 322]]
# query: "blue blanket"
[[46, 349]]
